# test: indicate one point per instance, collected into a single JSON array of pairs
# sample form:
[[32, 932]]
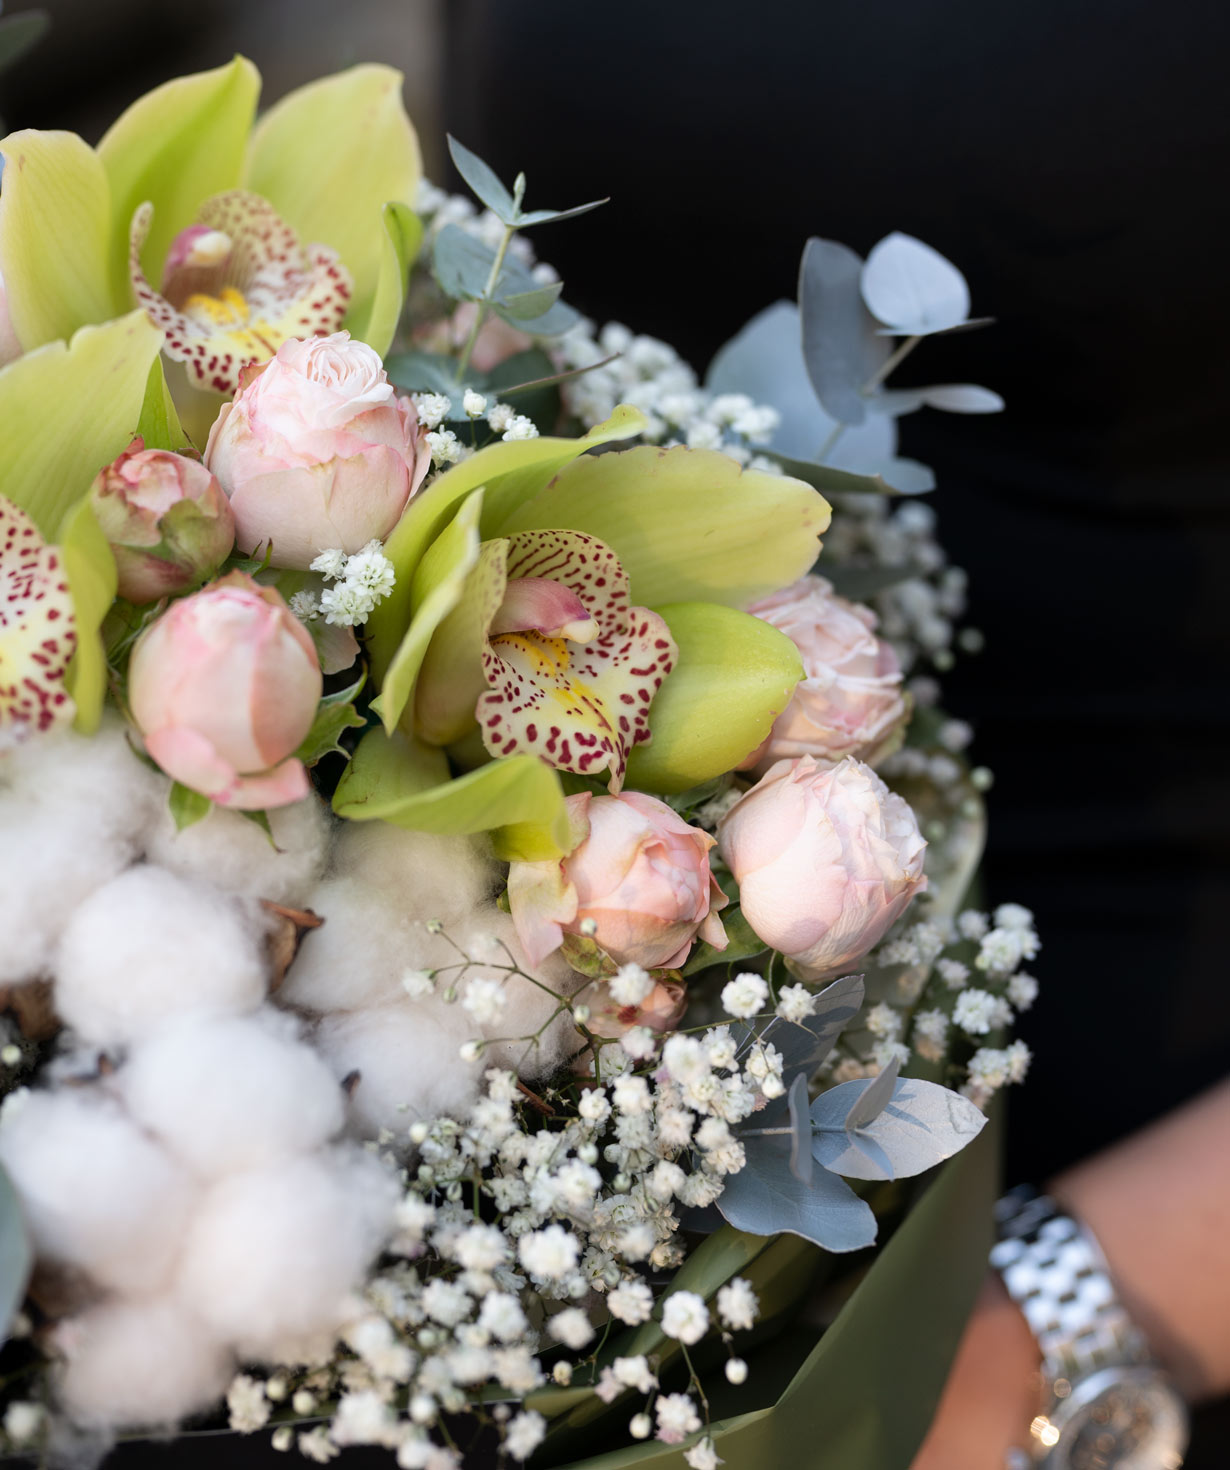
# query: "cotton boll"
[[139, 1363], [272, 1254], [359, 954], [232, 1094], [233, 853], [71, 809], [425, 875], [407, 1060], [148, 948], [94, 1190]]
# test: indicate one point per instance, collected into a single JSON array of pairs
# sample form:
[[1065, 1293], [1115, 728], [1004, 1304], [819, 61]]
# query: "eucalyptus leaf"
[[431, 372], [546, 216], [897, 476], [765, 1198], [553, 322], [526, 305], [16, 1255], [861, 583], [921, 1125], [462, 264], [912, 288], [840, 347], [805, 1044], [800, 1130], [872, 1099], [483, 180], [186, 806], [949, 397]]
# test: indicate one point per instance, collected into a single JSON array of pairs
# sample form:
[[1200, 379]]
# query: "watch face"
[[1117, 1419]]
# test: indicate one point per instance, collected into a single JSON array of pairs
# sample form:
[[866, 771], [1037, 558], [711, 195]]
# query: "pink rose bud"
[[850, 700], [638, 884], [661, 1010], [167, 519], [826, 858], [317, 451], [224, 688]]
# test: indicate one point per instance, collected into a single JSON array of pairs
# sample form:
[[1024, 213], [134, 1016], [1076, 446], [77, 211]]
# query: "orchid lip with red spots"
[[572, 679], [37, 630], [237, 284]]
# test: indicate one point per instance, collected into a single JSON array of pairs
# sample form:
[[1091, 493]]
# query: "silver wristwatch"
[[1106, 1403]]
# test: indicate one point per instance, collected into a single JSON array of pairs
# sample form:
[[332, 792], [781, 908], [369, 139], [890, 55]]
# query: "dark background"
[[1073, 158]]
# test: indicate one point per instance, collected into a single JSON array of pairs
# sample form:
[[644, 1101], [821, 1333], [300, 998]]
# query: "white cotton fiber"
[[272, 1254], [71, 811], [407, 1061], [424, 875], [148, 948], [232, 1094], [139, 1363], [94, 1190], [233, 853]]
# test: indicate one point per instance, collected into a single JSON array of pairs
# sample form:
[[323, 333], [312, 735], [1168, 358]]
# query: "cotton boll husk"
[[425, 875], [141, 1362], [71, 811], [94, 1190], [407, 1060], [271, 1255], [148, 948], [228, 850], [232, 1094]]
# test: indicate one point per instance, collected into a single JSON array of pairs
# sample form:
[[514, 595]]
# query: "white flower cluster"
[[360, 582]]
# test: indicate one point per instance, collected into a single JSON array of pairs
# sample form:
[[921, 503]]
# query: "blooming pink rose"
[[639, 872], [826, 858], [167, 519], [224, 688], [317, 451], [850, 700]]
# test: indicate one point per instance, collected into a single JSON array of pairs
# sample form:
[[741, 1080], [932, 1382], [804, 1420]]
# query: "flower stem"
[[485, 304], [890, 364]]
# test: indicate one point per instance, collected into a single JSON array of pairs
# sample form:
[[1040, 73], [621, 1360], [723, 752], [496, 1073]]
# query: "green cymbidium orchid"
[[333, 168], [695, 538]]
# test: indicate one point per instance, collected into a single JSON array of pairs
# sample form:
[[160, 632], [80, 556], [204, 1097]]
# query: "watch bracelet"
[[1054, 1270]]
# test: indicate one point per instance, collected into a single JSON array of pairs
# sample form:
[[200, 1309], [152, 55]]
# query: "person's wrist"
[[992, 1390]]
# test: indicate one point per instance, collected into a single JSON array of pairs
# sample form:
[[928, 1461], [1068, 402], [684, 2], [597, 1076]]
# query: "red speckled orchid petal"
[[37, 632], [580, 707], [274, 289]]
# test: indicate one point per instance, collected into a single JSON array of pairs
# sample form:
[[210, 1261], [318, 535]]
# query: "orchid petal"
[[403, 781], [37, 634], [540, 605], [174, 147], [452, 678], [760, 531], [580, 707], [511, 472], [403, 233], [271, 289], [730, 683], [55, 223], [330, 156]]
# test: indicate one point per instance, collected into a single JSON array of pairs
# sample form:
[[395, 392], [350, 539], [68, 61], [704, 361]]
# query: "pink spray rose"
[[639, 872], [850, 700], [224, 688], [167, 519], [826, 858], [661, 1010], [317, 451]]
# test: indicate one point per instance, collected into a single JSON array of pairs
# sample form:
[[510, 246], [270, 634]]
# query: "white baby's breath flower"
[[499, 416], [473, 403], [246, 1404], [795, 1003], [631, 1094], [520, 427], [525, 1434], [330, 564], [977, 1012], [344, 605], [677, 1417], [418, 983], [23, 1420], [745, 996], [501, 1316], [639, 1042], [703, 1456], [445, 446], [952, 972], [883, 1021], [685, 1317], [737, 1304], [1022, 990], [630, 985], [485, 1000], [550, 1253], [432, 408], [971, 924], [572, 1327], [305, 605], [631, 1302]]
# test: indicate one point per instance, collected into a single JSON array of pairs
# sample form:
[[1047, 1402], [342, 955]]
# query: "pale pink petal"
[[540, 605], [189, 758], [284, 784], [541, 902]]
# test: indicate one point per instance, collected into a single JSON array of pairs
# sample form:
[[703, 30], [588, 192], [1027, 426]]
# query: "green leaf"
[[159, 424], [435, 591], [90, 568], [462, 264], [733, 676], [742, 943], [398, 779], [55, 236], [831, 481], [175, 147], [403, 231], [187, 806], [860, 583], [68, 410], [483, 180], [432, 372], [16, 1256], [18, 33], [451, 678], [334, 713], [546, 216], [685, 523], [524, 306], [329, 157], [511, 471]]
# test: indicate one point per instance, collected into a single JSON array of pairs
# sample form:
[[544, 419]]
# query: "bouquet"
[[488, 947]]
